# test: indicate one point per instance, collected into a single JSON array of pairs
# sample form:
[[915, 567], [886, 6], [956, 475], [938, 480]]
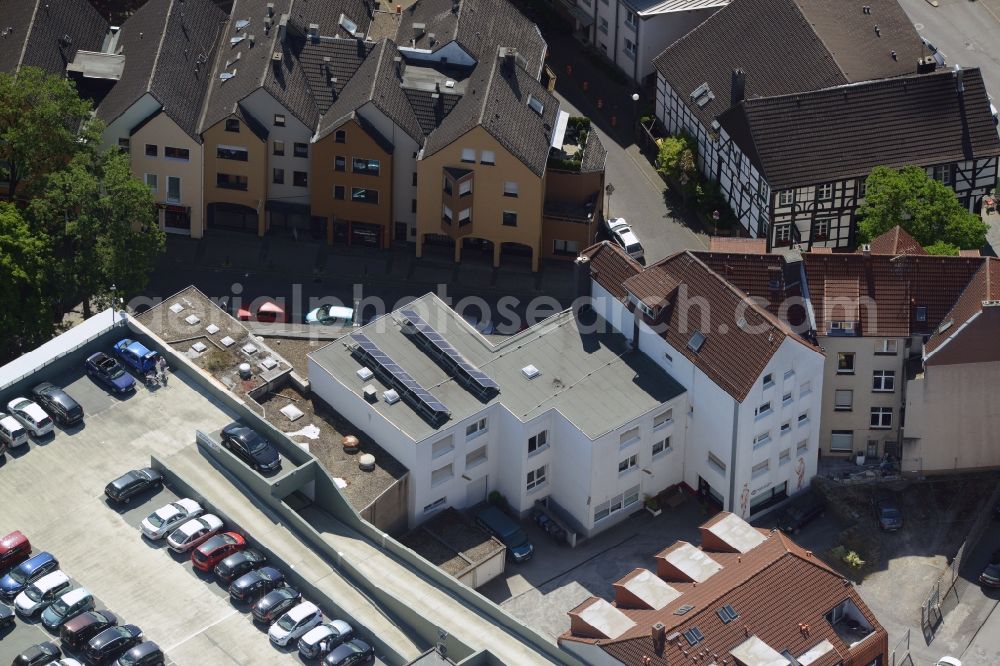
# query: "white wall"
[[120, 127], [404, 165], [264, 107], [658, 31], [451, 51]]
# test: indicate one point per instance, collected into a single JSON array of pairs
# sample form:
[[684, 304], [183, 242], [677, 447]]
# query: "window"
[[278, 176], [447, 186], [843, 400], [694, 636], [279, 120], [886, 347], [414, 180], [821, 229], [442, 446], [801, 448], [788, 375], [151, 150], [229, 182], [436, 504], [824, 192], [509, 188], [509, 218], [630, 19], [881, 418], [465, 188], [763, 410], [487, 157], [364, 195], [366, 167], [300, 179], [339, 163], [535, 478], [768, 380], [536, 104], [278, 147], [629, 48], [786, 197], [628, 464], [238, 153], [464, 217], [786, 428], [468, 154], [715, 463], [232, 125], [446, 215], [921, 313], [124, 145], [942, 172], [441, 475], [538, 442], [172, 153], [151, 182], [785, 457], [884, 381], [340, 136], [338, 192], [476, 457], [616, 503], [661, 447], [761, 440], [805, 388], [476, 428], [565, 247], [786, 399], [604, 25], [631, 496], [413, 205], [663, 419], [845, 363], [727, 614], [300, 149], [871, 449], [803, 418], [782, 233], [173, 189], [842, 440], [628, 438], [760, 469]]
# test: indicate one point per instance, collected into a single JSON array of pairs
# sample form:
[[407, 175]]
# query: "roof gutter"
[[806, 297], [953, 335]]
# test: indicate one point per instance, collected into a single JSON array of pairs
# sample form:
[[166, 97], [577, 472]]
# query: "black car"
[[64, 409], [107, 371], [42, 653], [143, 654], [130, 484], [256, 583], [888, 517], [802, 511], [6, 616], [111, 643], [76, 633], [274, 604], [350, 653], [238, 564], [251, 448]]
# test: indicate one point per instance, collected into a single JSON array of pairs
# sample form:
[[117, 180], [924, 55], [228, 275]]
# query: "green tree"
[[943, 249], [26, 319], [924, 207], [677, 157]]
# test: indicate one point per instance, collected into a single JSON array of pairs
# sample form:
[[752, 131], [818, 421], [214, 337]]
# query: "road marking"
[[202, 630]]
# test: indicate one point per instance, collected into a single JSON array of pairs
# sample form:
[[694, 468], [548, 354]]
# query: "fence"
[[901, 651]]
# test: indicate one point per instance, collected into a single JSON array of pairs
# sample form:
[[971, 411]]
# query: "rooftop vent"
[[683, 610], [696, 342], [244, 370], [390, 397], [371, 395], [530, 371], [366, 462], [314, 30], [276, 56], [270, 9], [418, 30], [449, 84], [364, 374]]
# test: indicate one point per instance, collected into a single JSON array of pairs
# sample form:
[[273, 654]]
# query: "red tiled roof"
[[970, 253], [737, 245], [896, 241], [759, 275], [890, 289], [984, 286], [774, 588], [610, 266]]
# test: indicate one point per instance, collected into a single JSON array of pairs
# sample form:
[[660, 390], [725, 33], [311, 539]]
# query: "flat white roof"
[[693, 563], [738, 533], [606, 619], [652, 589], [815, 652], [755, 652]]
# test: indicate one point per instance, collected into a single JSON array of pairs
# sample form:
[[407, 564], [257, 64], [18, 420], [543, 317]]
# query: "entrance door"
[[476, 491]]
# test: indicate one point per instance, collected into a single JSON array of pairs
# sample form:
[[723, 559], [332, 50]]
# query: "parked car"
[[320, 640], [350, 653], [622, 233], [193, 532], [235, 565], [251, 448], [801, 511], [31, 416], [63, 408], [136, 355], [328, 315], [948, 661], [274, 604], [108, 372], [503, 527], [42, 653], [256, 583], [76, 633], [12, 433], [268, 312], [161, 522], [111, 643], [887, 514], [14, 549], [37, 596], [132, 483], [990, 576], [26, 573], [66, 607], [67, 661], [146, 653], [215, 549], [294, 623], [6, 616], [939, 57]]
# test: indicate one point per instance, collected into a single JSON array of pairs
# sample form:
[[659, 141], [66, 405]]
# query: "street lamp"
[[609, 189], [113, 313], [635, 112]]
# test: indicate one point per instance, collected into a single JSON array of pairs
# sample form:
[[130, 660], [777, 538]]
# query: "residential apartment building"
[[789, 117], [743, 596]]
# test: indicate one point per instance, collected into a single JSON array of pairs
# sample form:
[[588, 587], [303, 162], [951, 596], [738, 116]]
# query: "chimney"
[[658, 633], [866, 250], [314, 31], [581, 275], [282, 28], [959, 82], [455, 4], [270, 9], [738, 90], [509, 59]]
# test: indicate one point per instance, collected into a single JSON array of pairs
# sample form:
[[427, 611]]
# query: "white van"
[[12, 433]]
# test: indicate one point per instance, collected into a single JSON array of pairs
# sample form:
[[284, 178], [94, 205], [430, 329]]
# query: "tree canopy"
[[926, 208]]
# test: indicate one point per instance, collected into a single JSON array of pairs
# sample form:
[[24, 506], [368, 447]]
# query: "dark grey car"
[[63, 408], [130, 484], [274, 604]]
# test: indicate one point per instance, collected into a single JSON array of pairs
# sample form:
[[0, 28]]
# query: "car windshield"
[[890, 513], [265, 574], [287, 622], [19, 576], [155, 520], [518, 538], [34, 593], [60, 606], [127, 659], [634, 247], [113, 368]]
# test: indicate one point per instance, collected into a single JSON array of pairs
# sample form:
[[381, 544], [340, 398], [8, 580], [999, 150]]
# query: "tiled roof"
[[652, 7], [775, 587], [895, 241], [890, 289], [765, 277], [741, 336], [983, 287], [788, 46], [611, 267], [287, 83], [345, 56], [430, 111], [33, 30], [595, 155], [737, 245], [169, 48], [846, 131]]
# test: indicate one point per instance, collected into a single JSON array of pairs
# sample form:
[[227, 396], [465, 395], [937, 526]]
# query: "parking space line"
[[201, 631]]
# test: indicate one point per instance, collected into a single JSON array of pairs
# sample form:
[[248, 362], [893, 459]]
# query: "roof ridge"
[[486, 93], [27, 36], [159, 48], [214, 80]]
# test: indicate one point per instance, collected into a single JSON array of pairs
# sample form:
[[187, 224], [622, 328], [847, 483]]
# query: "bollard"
[[614, 121], [600, 102], [586, 86], [569, 70]]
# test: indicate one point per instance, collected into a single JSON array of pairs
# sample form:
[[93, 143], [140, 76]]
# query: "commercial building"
[[745, 596]]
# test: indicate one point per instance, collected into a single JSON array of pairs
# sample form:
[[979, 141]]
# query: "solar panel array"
[[472, 376], [392, 374]]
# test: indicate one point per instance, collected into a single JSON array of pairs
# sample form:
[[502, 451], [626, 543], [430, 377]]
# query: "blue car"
[[27, 573], [135, 355], [106, 370]]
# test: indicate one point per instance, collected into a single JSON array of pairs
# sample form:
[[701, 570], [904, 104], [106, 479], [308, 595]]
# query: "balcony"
[[849, 624], [580, 150]]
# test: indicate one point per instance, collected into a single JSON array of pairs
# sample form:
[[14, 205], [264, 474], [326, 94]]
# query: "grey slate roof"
[[169, 47], [287, 82], [587, 372], [345, 55], [32, 32], [844, 132], [430, 111], [788, 46]]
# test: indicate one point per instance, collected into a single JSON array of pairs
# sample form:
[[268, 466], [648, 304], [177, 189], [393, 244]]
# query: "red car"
[[267, 311], [14, 549], [215, 549]]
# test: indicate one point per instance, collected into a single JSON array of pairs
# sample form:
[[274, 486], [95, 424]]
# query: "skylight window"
[[727, 614], [241, 24], [225, 76], [694, 636], [702, 95], [233, 41], [696, 342], [536, 104], [347, 24], [683, 609]]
